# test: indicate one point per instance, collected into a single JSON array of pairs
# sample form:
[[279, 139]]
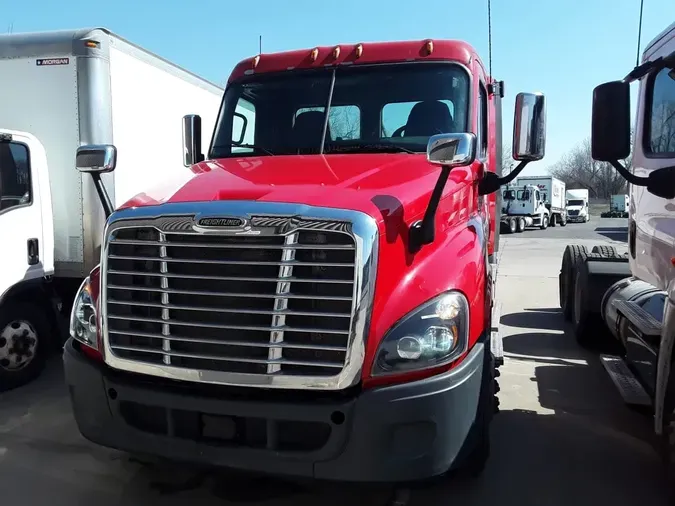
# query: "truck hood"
[[575, 208], [380, 185]]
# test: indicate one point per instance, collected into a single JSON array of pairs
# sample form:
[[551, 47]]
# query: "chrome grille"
[[274, 303], [572, 212]]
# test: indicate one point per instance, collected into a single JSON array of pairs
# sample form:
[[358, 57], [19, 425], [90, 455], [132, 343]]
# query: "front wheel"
[[23, 344], [544, 222]]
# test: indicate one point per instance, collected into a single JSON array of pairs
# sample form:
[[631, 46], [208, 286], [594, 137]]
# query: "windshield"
[[575, 202], [373, 108], [524, 195], [509, 195]]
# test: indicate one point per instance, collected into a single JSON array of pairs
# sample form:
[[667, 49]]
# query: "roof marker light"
[[314, 54], [429, 47], [254, 61], [359, 50], [336, 52]]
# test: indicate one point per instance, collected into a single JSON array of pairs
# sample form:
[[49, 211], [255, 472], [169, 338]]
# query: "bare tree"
[[578, 169]]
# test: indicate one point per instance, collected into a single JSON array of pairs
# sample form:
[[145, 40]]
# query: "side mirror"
[[610, 124], [96, 158], [192, 139], [529, 127], [451, 150]]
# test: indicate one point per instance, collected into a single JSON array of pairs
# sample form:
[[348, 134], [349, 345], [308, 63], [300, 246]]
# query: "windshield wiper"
[[370, 148]]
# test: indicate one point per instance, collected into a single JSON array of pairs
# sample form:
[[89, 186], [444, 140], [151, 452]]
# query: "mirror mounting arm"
[[627, 175], [491, 182], [102, 194], [423, 231]]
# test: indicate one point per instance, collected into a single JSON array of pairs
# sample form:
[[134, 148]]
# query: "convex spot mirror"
[[452, 150], [661, 182], [96, 158]]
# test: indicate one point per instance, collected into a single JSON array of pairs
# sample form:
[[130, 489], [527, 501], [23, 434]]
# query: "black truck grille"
[[268, 304]]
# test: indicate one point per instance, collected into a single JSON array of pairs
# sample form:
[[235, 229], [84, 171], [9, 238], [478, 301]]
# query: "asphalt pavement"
[[563, 436]]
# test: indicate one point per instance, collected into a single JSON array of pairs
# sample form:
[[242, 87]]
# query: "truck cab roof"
[[358, 54]]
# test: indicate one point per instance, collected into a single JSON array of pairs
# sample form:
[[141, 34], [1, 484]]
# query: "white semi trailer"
[[61, 90]]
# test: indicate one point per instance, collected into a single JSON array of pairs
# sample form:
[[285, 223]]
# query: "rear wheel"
[[512, 225], [573, 254], [520, 225], [606, 251], [553, 220]]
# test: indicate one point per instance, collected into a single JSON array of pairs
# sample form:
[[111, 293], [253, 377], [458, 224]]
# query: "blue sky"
[[562, 48]]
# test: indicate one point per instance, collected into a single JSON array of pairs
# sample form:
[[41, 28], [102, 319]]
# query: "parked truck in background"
[[619, 205], [523, 207], [552, 193], [631, 297], [577, 205], [61, 90], [319, 301]]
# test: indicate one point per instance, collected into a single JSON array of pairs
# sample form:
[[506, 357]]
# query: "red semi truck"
[[316, 299]]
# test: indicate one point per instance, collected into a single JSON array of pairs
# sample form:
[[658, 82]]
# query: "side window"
[[660, 138], [243, 126], [344, 121], [15, 184], [395, 116], [482, 122]]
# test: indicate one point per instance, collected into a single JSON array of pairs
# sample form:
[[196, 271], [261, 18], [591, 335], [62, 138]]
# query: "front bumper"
[[576, 219], [397, 433]]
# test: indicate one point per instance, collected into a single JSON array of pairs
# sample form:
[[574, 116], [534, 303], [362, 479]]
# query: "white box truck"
[[60, 90], [577, 205], [552, 193]]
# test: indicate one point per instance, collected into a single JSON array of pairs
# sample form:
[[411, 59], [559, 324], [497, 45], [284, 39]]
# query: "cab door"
[[26, 230]]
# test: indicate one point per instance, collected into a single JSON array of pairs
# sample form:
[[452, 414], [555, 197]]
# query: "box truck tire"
[[573, 253], [24, 333]]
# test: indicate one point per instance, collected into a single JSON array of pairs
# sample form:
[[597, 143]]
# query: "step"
[[496, 344], [629, 387], [641, 319]]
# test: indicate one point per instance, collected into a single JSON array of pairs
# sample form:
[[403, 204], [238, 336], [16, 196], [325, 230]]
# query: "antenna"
[[489, 37], [637, 57], [260, 44]]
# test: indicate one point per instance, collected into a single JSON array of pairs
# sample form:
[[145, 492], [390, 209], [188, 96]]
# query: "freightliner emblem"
[[222, 222]]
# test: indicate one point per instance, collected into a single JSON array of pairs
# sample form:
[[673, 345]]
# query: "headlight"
[[434, 334], [83, 317]]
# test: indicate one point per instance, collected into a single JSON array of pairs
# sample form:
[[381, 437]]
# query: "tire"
[[478, 440], [606, 251], [573, 254], [25, 325], [520, 226], [551, 223], [544, 222], [563, 222], [587, 324], [512, 226]]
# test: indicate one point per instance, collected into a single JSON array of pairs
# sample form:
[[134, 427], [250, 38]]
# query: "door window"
[[15, 184]]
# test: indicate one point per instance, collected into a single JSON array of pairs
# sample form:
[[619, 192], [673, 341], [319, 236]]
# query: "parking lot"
[[563, 436]]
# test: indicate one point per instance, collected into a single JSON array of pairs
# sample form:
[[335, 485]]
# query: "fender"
[[664, 362], [457, 262]]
